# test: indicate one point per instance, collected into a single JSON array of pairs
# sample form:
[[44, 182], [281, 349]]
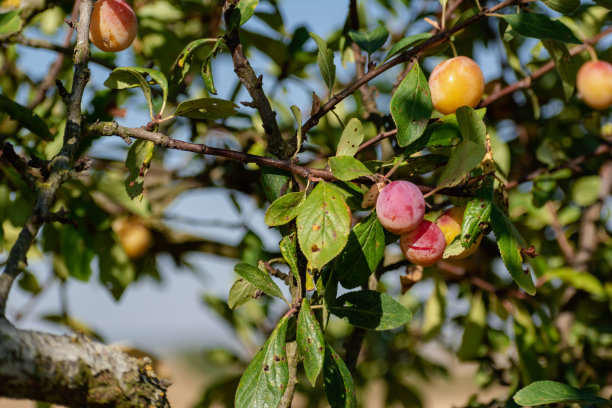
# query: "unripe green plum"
[[454, 83], [400, 206], [594, 83], [425, 245], [113, 25]]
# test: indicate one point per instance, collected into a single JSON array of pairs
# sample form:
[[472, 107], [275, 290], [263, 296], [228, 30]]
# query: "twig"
[[526, 82], [367, 94], [278, 147], [61, 164], [113, 129], [57, 65], [588, 238], [34, 43], [564, 244]]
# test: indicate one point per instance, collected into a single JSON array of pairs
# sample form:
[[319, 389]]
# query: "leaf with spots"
[[137, 162], [411, 106], [260, 279], [265, 379], [477, 213], [206, 108], [311, 345], [284, 209], [323, 224], [337, 381], [347, 168], [371, 310], [351, 138]]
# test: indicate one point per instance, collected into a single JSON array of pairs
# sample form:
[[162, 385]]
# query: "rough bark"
[[74, 371]]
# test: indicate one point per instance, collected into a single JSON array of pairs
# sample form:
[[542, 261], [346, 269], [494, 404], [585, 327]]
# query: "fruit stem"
[[592, 52], [452, 45]]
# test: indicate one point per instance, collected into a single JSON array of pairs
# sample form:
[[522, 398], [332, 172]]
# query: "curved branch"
[[74, 371], [113, 129], [253, 84]]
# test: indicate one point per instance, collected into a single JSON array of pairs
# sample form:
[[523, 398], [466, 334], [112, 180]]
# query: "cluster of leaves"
[[330, 242]]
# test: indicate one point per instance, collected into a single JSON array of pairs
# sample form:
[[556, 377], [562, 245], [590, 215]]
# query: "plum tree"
[[454, 83], [594, 82], [113, 25], [425, 245], [400, 206]]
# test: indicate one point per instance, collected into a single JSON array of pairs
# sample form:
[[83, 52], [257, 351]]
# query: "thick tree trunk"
[[74, 371]]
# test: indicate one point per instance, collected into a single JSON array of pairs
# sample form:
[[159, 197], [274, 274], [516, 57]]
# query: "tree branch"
[[61, 164], [277, 146], [113, 129], [73, 371]]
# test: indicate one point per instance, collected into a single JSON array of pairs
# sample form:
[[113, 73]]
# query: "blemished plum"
[[594, 83], [400, 206], [425, 245], [454, 83], [113, 25]]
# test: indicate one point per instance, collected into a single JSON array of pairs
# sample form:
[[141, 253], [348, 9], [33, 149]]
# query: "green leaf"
[[404, 43], [540, 26], [10, 22], [371, 310], [477, 211], [578, 280], [411, 106], [260, 279], [435, 310], [474, 327], [510, 250], [470, 151], [362, 254], [241, 292], [285, 208], [77, 253], [25, 117], [563, 6], [247, 9], [310, 343], [297, 114], [132, 77], [604, 3], [206, 108], [585, 190], [137, 162], [565, 65], [288, 248], [325, 59], [337, 381], [274, 182], [207, 75], [323, 224], [265, 379], [550, 392], [347, 168], [351, 138], [372, 40], [116, 270]]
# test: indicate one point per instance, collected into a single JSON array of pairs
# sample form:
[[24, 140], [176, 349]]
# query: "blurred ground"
[[187, 387]]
